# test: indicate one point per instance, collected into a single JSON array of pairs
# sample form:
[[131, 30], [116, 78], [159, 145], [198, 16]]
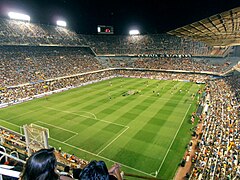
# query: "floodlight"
[[19, 16], [98, 29], [134, 32], [61, 23]]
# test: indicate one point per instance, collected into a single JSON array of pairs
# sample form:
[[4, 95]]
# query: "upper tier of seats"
[[146, 44], [14, 32]]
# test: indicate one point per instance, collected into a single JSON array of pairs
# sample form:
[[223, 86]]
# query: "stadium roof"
[[222, 29]]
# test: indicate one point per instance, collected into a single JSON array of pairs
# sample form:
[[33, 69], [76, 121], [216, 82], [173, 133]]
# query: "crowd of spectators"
[[186, 64], [217, 155], [30, 64], [161, 75], [27, 64], [150, 44], [14, 32], [13, 140], [27, 71]]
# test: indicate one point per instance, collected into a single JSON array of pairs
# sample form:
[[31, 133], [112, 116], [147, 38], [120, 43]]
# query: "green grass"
[[144, 132]]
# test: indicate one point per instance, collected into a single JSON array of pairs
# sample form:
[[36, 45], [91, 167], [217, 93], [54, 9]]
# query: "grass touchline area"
[[173, 140]]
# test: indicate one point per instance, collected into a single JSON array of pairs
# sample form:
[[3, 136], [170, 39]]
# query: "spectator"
[[42, 166], [66, 172], [98, 171]]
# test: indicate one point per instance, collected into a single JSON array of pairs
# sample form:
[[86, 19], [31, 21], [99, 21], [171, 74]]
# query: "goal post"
[[37, 129], [40, 128], [36, 137]]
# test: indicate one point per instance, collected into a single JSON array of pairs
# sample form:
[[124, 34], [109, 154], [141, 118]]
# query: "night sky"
[[149, 16]]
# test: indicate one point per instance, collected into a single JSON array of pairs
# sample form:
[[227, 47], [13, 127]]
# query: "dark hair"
[[76, 173], [66, 169], [41, 166], [95, 171]]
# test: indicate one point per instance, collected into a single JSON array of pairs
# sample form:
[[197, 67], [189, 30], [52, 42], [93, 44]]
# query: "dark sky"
[[149, 16]]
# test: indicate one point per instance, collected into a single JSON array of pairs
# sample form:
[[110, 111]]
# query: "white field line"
[[86, 116], [75, 134], [90, 113], [112, 141], [9, 123], [70, 137], [10, 129], [22, 114], [172, 141], [102, 157], [57, 127]]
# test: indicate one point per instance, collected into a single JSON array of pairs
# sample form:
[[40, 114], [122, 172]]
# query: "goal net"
[[36, 137], [38, 129]]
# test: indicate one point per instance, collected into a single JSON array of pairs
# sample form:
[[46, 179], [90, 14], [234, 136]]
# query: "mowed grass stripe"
[[105, 98], [108, 105], [90, 101], [121, 110], [145, 137]]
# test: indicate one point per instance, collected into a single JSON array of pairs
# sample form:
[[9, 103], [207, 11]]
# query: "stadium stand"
[[146, 44], [36, 60], [217, 155], [14, 32], [31, 64]]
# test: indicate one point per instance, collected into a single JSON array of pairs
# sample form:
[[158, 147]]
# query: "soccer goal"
[[36, 137], [36, 129]]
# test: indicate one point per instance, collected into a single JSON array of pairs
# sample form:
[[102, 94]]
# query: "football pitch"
[[143, 124]]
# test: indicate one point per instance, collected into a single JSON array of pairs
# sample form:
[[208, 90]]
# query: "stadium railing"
[[5, 170]]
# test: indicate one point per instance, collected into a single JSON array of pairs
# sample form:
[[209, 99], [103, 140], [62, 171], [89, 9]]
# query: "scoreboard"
[[102, 29]]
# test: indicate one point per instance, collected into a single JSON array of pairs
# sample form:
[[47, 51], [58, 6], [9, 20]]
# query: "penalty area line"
[[9, 123], [95, 117], [56, 127], [70, 137], [112, 141], [102, 157]]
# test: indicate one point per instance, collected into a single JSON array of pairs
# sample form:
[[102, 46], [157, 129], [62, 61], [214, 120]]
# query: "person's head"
[[95, 170], [40, 166], [66, 169], [76, 173]]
